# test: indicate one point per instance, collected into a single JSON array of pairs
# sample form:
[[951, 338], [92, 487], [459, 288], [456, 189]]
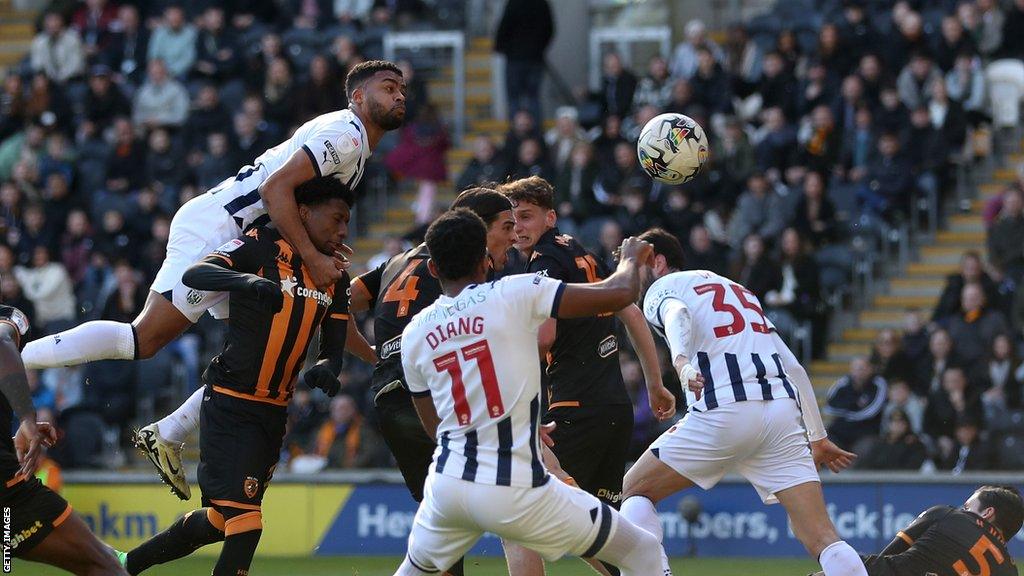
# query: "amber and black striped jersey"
[[945, 541], [583, 364], [9, 465], [264, 351], [398, 289]]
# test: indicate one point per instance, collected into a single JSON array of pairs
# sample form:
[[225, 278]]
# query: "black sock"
[[459, 568], [191, 532], [236, 556]]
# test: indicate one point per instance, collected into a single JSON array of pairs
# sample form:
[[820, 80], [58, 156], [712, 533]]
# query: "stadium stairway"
[[16, 31], [916, 288]]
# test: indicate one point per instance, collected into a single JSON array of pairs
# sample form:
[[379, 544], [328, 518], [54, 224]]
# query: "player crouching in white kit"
[[472, 366], [748, 421]]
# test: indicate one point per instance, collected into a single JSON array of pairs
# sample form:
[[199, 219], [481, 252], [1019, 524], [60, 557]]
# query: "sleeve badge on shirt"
[[231, 246]]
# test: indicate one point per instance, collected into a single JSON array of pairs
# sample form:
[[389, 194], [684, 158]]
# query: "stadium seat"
[[1011, 452]]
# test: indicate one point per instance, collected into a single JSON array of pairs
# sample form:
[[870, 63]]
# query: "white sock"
[[632, 549], [840, 559], [178, 425], [640, 511], [99, 340]]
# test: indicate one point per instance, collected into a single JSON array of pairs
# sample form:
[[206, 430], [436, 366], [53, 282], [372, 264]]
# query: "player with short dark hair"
[[948, 541], [43, 528], [337, 144], [396, 291], [275, 310], [587, 397], [473, 368]]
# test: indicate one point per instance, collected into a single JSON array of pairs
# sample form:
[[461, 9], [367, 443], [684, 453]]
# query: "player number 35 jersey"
[[476, 356], [730, 338]]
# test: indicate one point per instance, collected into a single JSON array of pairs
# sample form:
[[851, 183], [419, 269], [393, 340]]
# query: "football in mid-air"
[[672, 148]]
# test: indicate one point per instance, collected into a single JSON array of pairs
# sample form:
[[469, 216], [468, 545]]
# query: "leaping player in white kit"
[[472, 366], [748, 421], [334, 144]]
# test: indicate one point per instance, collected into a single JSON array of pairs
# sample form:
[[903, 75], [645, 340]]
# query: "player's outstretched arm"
[[14, 387], [613, 293], [825, 452], [278, 194], [213, 274], [663, 403]]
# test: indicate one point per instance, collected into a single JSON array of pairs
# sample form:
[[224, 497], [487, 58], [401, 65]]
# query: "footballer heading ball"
[[672, 148]]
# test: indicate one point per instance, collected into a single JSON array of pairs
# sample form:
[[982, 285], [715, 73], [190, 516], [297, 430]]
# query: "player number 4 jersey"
[[730, 338], [476, 356]]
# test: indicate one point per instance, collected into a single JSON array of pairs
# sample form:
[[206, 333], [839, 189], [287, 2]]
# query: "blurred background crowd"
[[821, 134]]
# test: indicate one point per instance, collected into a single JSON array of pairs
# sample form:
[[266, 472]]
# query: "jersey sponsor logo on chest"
[[391, 347], [290, 286], [608, 346]]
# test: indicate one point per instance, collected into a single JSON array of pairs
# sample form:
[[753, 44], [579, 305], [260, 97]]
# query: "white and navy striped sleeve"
[[336, 148]]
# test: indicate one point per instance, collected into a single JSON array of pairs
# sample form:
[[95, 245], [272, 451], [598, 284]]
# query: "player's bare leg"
[[525, 562], [73, 547], [648, 482], [811, 524]]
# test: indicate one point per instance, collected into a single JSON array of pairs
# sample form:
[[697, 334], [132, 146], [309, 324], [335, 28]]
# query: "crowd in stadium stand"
[[123, 111]]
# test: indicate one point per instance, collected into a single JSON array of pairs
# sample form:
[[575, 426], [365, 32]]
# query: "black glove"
[[320, 376], [268, 294]]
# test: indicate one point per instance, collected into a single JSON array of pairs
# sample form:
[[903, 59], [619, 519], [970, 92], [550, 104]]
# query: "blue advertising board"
[[376, 518]]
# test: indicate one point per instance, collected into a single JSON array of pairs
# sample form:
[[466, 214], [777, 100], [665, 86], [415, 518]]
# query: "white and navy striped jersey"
[[336, 145], [730, 338], [476, 356]]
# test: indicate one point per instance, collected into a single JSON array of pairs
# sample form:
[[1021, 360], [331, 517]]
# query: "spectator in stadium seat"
[[908, 38], [279, 93], [321, 93], [523, 36], [654, 89], [218, 162], [523, 127], [530, 161], [965, 84], [891, 115], [928, 153], [305, 415], [574, 186], [888, 183], [343, 439], [969, 451], [618, 84], [678, 214], [1013, 31], [114, 238], [14, 295], [249, 141], [856, 30], [127, 163], [833, 54], [1006, 237], [13, 105], [819, 86], [94, 22], [957, 398], [757, 212], [948, 116], [128, 297], [485, 166], [888, 358], [704, 253], [34, 231], [47, 285], [990, 27], [711, 85], [855, 403], [941, 356], [161, 100], [164, 161], [797, 297], [898, 448], [685, 57], [916, 79], [563, 137], [420, 156], [972, 271], [609, 239], [76, 245], [974, 329], [129, 45], [609, 136], [632, 213], [174, 42], [815, 214], [778, 86], [901, 398], [952, 42], [57, 51], [104, 101], [744, 60], [206, 116], [755, 268], [822, 143], [217, 53], [775, 148], [1003, 376]]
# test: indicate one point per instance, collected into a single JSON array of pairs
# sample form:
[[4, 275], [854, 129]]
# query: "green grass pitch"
[[385, 566]]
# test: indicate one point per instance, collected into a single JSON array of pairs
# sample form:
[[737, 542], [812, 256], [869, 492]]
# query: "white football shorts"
[[198, 228], [554, 520], [762, 440]]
